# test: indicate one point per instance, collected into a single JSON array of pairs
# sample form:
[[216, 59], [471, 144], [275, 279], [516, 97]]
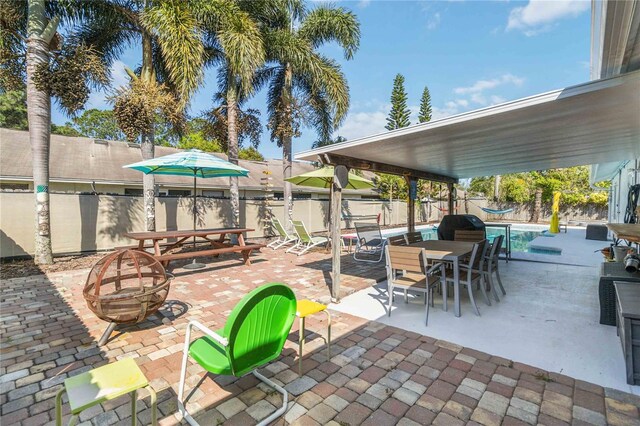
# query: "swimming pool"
[[521, 235]]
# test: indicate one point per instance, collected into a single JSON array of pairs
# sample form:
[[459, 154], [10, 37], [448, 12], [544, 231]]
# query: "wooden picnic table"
[[448, 251], [215, 236]]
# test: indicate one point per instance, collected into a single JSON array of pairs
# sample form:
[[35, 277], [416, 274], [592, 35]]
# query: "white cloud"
[[482, 85], [433, 21], [364, 123], [364, 3], [540, 15]]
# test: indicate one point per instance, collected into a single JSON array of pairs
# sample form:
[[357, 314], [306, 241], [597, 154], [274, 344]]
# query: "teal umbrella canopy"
[[189, 163]]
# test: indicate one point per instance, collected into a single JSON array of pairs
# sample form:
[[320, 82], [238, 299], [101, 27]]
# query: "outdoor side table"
[[610, 272], [103, 384], [306, 308]]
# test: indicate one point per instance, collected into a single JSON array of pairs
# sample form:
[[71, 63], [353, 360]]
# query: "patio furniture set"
[[253, 335], [420, 266]]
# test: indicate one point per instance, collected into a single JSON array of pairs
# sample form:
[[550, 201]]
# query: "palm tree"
[[30, 46], [236, 81], [171, 54], [178, 38], [304, 87]]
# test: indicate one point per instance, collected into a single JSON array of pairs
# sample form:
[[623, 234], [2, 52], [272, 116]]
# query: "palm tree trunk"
[[287, 165], [147, 145], [232, 136], [537, 206], [39, 118], [287, 162]]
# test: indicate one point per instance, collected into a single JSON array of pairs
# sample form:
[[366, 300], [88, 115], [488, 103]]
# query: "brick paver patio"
[[377, 375]]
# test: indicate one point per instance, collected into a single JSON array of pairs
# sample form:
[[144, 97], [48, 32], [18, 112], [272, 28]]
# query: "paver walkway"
[[377, 374]]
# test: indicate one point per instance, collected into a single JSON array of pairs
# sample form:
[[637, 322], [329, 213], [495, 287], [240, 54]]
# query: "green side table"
[[103, 384]]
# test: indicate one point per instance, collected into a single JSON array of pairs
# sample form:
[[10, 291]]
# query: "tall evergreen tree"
[[425, 106], [399, 114]]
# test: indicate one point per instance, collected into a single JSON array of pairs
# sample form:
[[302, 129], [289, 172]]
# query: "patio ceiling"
[[591, 123]]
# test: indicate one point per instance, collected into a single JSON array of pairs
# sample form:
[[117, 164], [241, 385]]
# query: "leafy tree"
[[392, 186], [304, 86], [399, 114], [425, 106], [98, 124], [65, 130], [34, 53], [320, 143], [250, 153], [537, 187], [199, 141], [174, 51], [13, 110], [248, 127]]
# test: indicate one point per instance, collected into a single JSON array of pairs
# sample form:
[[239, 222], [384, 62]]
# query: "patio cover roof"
[[591, 123]]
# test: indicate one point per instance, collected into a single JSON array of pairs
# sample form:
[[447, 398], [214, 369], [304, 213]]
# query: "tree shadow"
[[171, 212], [40, 327], [349, 268], [89, 205], [121, 214]]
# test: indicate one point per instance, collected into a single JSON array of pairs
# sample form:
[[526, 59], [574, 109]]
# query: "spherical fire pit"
[[125, 287]]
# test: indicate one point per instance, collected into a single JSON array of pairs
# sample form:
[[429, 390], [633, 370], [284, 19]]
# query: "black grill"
[[451, 222]]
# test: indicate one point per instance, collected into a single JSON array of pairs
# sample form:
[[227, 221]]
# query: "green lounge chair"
[[284, 237], [253, 335], [305, 241]]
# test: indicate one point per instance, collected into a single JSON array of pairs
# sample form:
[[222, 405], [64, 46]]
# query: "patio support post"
[[340, 180], [451, 202], [412, 184]]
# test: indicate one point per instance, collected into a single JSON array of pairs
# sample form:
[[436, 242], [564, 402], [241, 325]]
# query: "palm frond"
[[323, 75], [326, 24], [176, 30]]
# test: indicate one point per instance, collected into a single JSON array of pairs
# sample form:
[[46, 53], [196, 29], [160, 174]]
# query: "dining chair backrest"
[[408, 259], [413, 237], [397, 240], [496, 247], [301, 230], [470, 236], [478, 255]]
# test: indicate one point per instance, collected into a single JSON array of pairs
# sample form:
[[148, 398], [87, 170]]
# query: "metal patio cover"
[[591, 123]]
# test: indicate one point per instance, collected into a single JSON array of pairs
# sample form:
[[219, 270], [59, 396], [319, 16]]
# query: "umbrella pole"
[[194, 264]]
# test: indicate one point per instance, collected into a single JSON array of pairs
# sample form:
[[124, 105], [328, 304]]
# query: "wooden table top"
[[626, 231], [149, 235], [443, 249]]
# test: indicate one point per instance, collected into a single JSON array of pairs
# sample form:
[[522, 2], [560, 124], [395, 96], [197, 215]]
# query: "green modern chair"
[[253, 335]]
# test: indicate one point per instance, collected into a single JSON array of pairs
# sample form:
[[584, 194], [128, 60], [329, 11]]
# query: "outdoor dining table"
[[215, 236], [448, 251]]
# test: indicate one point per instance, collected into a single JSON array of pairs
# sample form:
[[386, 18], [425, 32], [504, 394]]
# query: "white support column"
[[340, 180]]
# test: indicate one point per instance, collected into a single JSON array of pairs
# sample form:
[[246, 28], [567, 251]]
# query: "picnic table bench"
[[216, 238]]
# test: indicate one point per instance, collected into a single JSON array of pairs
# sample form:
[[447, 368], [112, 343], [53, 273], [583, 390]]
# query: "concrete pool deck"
[[549, 318]]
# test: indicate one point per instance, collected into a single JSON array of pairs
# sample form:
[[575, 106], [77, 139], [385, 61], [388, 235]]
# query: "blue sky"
[[470, 54]]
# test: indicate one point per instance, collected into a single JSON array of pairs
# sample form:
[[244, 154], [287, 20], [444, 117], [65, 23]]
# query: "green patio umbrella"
[[323, 178], [192, 162]]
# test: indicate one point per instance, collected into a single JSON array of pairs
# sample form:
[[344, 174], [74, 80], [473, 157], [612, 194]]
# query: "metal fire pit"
[[125, 287]]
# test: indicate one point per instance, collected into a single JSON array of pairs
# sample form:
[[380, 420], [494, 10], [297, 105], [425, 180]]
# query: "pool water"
[[519, 237]]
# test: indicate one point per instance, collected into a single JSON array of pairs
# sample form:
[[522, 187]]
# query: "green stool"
[[103, 384]]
